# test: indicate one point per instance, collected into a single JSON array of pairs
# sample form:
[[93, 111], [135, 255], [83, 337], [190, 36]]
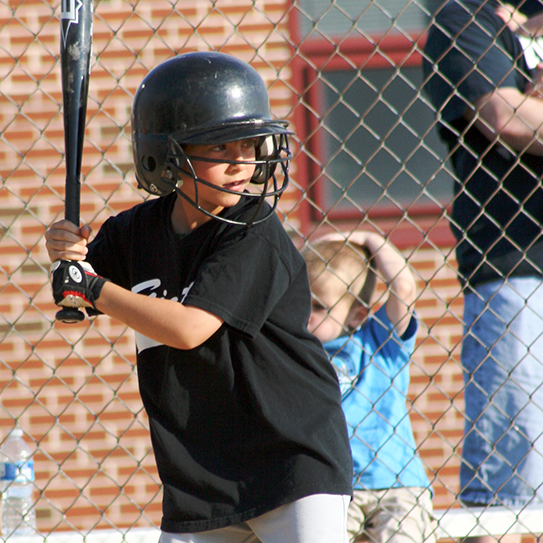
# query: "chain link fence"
[[367, 155]]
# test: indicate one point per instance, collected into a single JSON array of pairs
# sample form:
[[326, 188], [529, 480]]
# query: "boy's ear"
[[357, 315]]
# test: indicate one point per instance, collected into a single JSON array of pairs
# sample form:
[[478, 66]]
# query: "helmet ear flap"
[[266, 150]]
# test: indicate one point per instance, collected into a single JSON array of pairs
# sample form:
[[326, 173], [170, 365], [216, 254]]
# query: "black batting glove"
[[76, 284]]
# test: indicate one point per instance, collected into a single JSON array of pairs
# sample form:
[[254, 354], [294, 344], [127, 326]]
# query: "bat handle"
[[69, 315]]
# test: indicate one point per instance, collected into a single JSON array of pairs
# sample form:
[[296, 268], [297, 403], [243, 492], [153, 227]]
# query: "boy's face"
[[330, 307], [234, 177]]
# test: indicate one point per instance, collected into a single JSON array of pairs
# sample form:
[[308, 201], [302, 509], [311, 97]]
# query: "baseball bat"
[[75, 59]]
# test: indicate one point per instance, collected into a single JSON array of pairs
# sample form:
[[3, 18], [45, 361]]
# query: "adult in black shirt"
[[477, 77]]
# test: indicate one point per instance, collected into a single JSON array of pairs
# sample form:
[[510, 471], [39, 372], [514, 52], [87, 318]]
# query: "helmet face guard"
[[206, 99], [270, 152]]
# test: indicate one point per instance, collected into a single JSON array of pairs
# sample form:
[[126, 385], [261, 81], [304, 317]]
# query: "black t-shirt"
[[498, 206], [251, 419]]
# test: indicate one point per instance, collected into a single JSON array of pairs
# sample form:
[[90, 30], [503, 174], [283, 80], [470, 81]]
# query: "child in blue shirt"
[[371, 354]]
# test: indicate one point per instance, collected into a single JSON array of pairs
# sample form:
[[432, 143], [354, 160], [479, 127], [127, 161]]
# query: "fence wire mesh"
[[367, 155]]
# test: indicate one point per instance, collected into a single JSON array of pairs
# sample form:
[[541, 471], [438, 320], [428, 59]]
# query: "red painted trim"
[[383, 51], [413, 233], [312, 56]]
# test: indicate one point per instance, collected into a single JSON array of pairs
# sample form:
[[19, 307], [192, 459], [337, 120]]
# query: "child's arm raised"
[[392, 269]]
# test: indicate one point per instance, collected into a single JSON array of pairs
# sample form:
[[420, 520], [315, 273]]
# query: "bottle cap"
[[16, 432]]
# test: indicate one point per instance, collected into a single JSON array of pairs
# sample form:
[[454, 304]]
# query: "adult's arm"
[[509, 116], [519, 23]]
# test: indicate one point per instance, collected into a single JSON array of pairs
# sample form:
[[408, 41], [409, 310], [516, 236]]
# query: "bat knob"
[[69, 315]]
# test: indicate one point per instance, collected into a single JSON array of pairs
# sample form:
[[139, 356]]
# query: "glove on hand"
[[76, 284]]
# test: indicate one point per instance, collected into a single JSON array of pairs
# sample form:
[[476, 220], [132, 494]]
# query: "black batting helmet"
[[205, 98]]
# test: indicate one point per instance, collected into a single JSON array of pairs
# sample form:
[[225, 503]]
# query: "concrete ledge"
[[135, 535], [453, 524], [498, 520]]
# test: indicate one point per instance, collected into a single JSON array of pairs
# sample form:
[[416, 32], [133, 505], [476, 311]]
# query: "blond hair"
[[347, 262]]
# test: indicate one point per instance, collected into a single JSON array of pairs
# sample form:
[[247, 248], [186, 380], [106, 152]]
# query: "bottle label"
[[21, 472]]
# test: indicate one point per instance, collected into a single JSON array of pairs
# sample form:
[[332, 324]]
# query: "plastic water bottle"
[[16, 476]]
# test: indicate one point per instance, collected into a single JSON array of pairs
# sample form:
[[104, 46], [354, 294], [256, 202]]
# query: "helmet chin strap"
[[259, 207], [249, 223]]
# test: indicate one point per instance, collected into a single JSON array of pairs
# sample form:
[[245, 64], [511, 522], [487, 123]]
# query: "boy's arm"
[[76, 284], [393, 270], [165, 321]]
